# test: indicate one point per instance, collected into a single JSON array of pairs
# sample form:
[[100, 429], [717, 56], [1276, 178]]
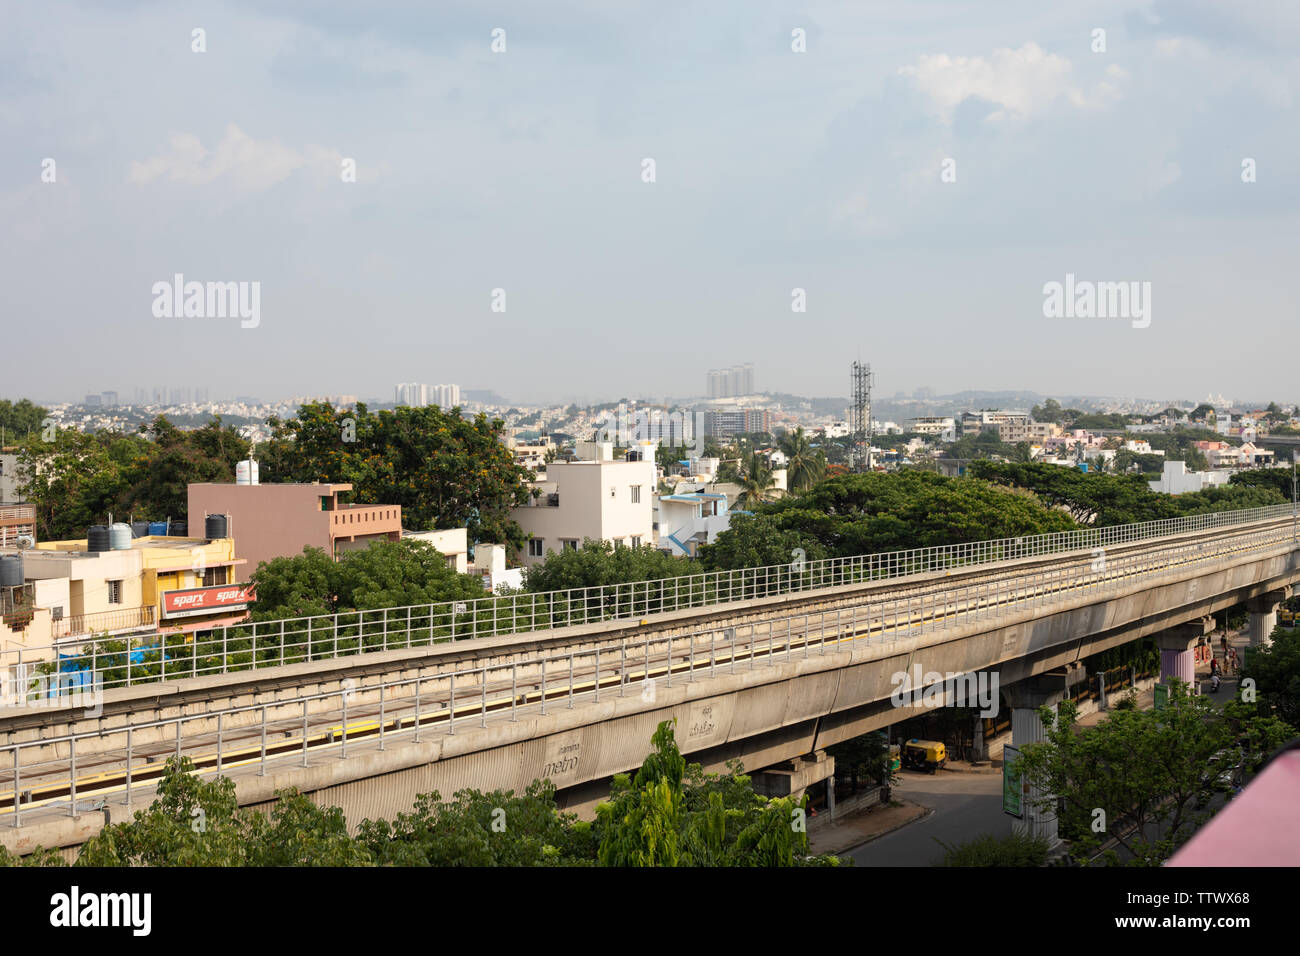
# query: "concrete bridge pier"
[[1177, 651], [1025, 698], [1263, 616]]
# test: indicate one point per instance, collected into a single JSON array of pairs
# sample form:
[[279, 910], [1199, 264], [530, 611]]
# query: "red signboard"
[[194, 601]]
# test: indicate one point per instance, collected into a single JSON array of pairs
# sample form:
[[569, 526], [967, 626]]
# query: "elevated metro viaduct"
[[765, 682]]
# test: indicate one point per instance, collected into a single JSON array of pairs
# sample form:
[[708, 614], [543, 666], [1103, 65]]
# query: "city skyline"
[[913, 181]]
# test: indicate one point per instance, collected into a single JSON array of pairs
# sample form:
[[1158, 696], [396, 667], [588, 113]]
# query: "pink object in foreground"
[[1258, 827]]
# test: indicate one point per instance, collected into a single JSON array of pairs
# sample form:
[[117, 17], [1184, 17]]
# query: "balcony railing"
[[104, 621]]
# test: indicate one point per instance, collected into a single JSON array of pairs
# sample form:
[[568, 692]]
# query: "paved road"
[[966, 805]]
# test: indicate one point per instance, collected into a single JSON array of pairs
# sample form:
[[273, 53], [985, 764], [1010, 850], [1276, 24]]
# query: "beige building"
[[607, 500], [453, 543]]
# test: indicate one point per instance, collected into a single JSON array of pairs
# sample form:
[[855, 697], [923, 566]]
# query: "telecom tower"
[[860, 422]]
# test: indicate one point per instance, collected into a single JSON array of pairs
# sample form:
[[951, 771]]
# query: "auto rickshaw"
[[924, 755]]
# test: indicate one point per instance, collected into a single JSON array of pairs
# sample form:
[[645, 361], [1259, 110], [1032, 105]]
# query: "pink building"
[[279, 520]]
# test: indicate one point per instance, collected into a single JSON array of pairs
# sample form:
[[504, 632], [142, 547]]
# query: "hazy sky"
[[774, 170]]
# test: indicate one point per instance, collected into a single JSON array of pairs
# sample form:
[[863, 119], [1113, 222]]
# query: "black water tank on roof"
[[214, 526], [11, 571], [139, 529], [97, 538], [179, 529]]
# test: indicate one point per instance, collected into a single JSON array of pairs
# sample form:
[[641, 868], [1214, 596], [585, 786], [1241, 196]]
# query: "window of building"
[[535, 548], [114, 592], [636, 541], [636, 494], [214, 576], [570, 543]]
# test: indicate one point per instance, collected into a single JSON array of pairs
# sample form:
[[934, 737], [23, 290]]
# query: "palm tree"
[[755, 485], [804, 468]]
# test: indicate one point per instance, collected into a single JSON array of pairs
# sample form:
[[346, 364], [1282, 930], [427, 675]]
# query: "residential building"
[[158, 583], [490, 566], [685, 521], [1175, 479], [451, 542], [972, 423], [170, 582], [279, 520], [726, 422], [944, 429], [532, 455], [840, 429], [16, 521], [416, 395], [730, 382], [602, 500]]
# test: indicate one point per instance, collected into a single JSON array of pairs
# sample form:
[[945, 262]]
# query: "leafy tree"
[[193, 822], [1275, 668], [158, 483], [386, 574], [1226, 498], [1049, 411], [804, 465], [868, 513], [444, 470], [670, 814], [1147, 770], [756, 483], [481, 829], [19, 418], [599, 562], [1279, 479], [71, 481], [758, 541], [78, 479], [1089, 499]]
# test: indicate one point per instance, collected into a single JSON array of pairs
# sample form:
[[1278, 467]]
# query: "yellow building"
[[171, 583]]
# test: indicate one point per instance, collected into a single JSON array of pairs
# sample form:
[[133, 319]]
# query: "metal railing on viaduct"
[[127, 660]]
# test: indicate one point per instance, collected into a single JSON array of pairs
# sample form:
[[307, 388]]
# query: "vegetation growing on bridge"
[[668, 814]]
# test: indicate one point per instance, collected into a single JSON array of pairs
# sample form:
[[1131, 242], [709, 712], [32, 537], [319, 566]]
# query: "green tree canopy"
[[78, 479], [805, 466], [444, 470], [1149, 771], [868, 513], [386, 574], [19, 418], [599, 563]]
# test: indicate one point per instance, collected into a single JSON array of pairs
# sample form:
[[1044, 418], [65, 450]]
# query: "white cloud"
[[1021, 83], [251, 165]]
